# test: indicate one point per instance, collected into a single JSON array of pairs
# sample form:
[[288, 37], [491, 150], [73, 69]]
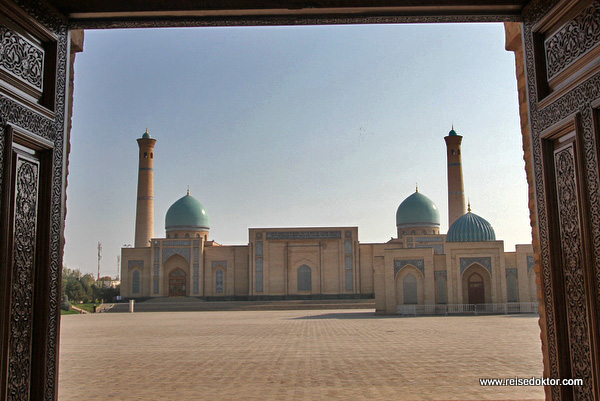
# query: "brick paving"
[[295, 355]]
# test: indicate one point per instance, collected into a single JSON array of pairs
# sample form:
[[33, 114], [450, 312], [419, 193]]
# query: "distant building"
[[419, 270], [107, 282]]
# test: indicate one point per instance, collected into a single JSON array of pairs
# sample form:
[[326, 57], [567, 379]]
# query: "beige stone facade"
[[420, 271], [277, 262]]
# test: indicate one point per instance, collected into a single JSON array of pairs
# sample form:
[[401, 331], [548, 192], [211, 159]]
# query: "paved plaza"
[[295, 355]]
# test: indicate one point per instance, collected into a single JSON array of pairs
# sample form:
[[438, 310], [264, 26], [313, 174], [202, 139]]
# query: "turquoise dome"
[[452, 132], [187, 214], [417, 211], [146, 135], [470, 228]]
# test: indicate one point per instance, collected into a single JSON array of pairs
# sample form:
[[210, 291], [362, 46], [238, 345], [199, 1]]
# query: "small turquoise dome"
[[470, 228], [187, 214], [417, 211], [146, 135], [452, 132]]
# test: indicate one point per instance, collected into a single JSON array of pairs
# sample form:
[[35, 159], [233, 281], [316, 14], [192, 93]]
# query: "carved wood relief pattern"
[[57, 219], [21, 309], [574, 39], [42, 13], [590, 147], [19, 115], [540, 119], [291, 20], [575, 100], [2, 140], [571, 239], [56, 127], [21, 58], [54, 131]]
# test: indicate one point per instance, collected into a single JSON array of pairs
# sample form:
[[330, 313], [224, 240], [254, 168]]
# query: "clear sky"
[[291, 127]]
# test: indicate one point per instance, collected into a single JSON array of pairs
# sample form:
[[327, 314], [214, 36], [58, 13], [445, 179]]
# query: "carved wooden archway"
[[561, 44]]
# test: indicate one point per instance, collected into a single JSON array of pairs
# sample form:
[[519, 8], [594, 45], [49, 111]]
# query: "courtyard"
[[295, 355]]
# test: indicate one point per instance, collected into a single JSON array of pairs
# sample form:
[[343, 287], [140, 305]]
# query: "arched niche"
[[176, 280], [304, 278], [402, 286], [476, 285]]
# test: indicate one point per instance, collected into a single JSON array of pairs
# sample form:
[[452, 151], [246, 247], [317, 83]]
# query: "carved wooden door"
[[476, 289], [562, 56], [177, 283], [33, 69]]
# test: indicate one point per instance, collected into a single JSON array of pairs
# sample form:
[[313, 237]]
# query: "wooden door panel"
[[562, 47], [25, 254], [33, 72], [24, 233], [572, 275]]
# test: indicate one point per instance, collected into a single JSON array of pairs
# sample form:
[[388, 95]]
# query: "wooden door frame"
[[540, 115]]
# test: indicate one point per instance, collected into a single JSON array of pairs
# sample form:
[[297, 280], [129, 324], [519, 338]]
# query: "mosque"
[[420, 271]]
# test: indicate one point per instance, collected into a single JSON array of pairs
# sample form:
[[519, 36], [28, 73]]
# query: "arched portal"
[[476, 292], [304, 278], [477, 286], [177, 283], [409, 285]]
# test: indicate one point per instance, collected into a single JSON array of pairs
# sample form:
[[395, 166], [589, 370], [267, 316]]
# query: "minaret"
[[456, 186], [144, 216]]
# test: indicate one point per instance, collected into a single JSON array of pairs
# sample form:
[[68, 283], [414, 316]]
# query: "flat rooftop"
[[295, 355]]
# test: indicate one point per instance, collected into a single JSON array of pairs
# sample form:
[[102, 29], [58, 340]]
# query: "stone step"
[[199, 305]]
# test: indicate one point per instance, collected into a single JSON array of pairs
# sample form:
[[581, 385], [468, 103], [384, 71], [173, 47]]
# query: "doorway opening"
[[318, 161]]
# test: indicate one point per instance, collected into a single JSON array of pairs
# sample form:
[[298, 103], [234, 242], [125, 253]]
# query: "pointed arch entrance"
[[177, 283], [477, 285], [476, 289]]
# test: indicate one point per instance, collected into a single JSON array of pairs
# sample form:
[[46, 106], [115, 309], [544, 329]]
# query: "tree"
[[75, 290], [76, 286], [108, 294]]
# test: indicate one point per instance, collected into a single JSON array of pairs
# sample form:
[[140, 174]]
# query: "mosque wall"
[[379, 285], [484, 258], [420, 267], [135, 260], [332, 253], [219, 271], [241, 270], [398, 265], [367, 270], [446, 279], [308, 262], [525, 272], [305, 262]]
